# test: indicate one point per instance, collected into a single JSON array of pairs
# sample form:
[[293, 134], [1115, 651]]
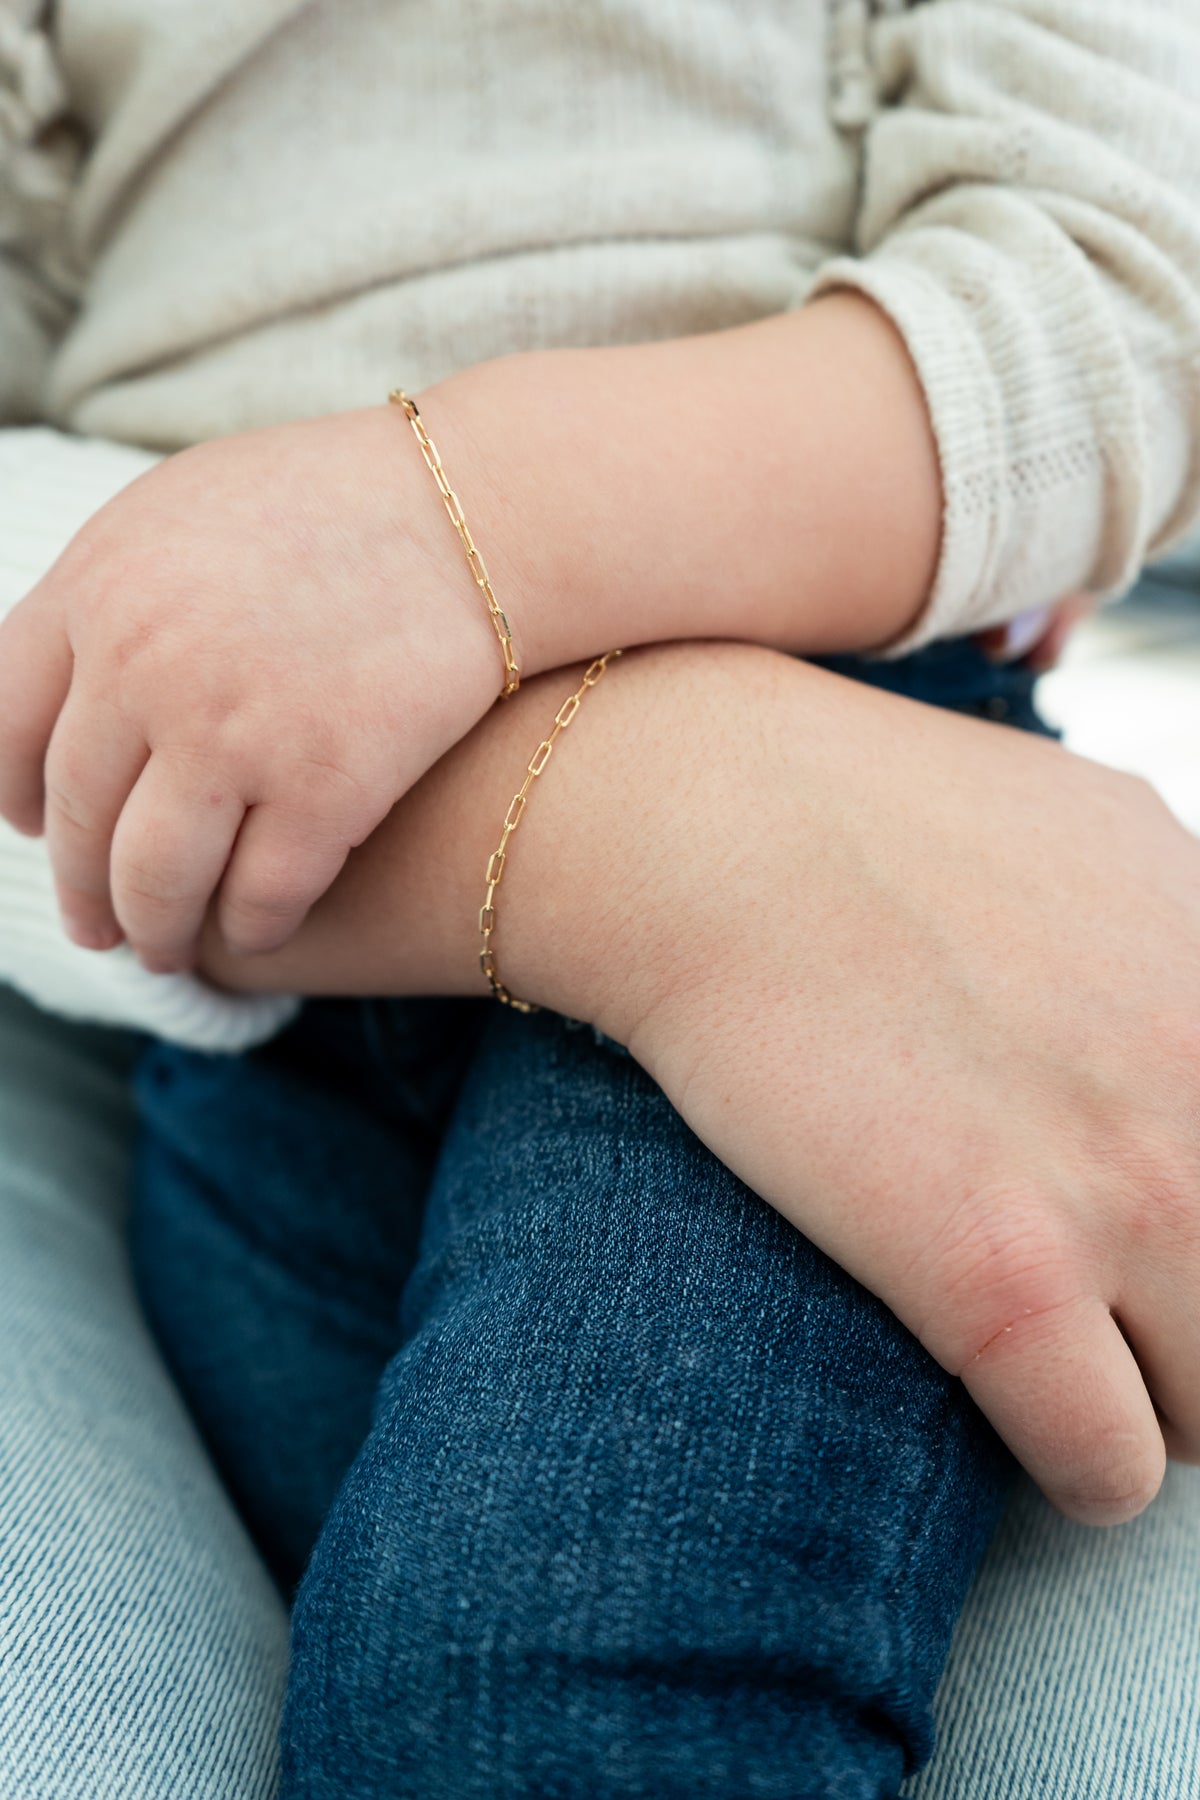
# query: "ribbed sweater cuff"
[[50, 484], [113, 988], [966, 412]]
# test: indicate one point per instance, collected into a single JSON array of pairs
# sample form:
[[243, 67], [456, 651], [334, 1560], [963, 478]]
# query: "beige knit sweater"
[[220, 213]]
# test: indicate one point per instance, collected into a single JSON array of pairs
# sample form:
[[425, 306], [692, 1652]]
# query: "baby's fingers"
[[35, 674], [94, 760], [1063, 1390], [169, 851], [280, 868]]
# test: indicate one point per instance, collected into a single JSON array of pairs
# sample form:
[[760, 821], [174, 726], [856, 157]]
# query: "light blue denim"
[[1075, 1668], [142, 1645]]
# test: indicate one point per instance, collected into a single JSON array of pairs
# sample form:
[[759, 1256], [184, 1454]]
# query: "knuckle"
[[1164, 1204], [120, 624], [230, 731], [335, 807], [133, 643], [201, 765], [67, 807], [146, 890], [271, 889], [70, 761], [1001, 1262], [1146, 1158], [137, 647], [262, 905], [249, 915], [327, 779]]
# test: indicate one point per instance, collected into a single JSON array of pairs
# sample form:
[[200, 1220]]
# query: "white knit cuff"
[[50, 484], [111, 988], [966, 411]]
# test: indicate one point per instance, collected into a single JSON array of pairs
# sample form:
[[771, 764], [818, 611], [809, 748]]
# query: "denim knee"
[[656, 1500]]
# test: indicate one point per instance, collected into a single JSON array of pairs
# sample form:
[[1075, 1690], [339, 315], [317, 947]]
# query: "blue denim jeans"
[[592, 1477]]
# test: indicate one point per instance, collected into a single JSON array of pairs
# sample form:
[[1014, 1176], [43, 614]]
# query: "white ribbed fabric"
[[50, 483], [286, 206]]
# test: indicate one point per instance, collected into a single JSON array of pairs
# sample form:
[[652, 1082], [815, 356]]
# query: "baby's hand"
[[232, 673]]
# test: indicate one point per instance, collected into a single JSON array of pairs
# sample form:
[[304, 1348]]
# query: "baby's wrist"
[[522, 481], [775, 483]]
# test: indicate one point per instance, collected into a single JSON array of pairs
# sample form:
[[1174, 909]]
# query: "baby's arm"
[[1030, 223], [237, 669], [783, 892], [242, 660]]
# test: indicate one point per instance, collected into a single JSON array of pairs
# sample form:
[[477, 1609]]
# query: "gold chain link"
[[512, 674], [512, 818]]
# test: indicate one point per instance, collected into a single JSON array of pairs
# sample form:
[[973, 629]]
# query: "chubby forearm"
[[777, 482]]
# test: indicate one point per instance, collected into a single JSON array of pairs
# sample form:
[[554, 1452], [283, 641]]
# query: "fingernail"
[[90, 937]]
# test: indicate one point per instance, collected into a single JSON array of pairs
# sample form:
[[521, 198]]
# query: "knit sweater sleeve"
[[40, 152], [50, 484], [1030, 221]]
